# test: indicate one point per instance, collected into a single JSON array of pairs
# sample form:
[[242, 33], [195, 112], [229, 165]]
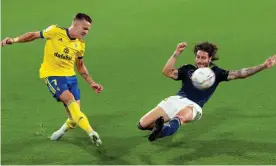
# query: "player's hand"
[[270, 62], [97, 87], [180, 47], [6, 41]]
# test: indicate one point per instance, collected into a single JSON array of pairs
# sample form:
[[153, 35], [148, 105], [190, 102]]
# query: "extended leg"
[[160, 130], [147, 121], [79, 117]]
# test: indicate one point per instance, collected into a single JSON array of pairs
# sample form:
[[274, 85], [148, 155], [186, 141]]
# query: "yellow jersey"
[[60, 52]]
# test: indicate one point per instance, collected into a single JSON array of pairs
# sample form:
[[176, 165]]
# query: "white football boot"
[[59, 133], [95, 138]]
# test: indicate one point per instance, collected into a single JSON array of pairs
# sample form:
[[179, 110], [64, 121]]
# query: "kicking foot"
[[95, 138], [57, 135], [157, 129]]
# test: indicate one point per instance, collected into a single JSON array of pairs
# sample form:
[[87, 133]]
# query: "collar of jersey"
[[67, 32]]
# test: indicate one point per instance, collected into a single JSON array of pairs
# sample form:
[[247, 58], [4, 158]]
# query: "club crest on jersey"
[[66, 50], [76, 45]]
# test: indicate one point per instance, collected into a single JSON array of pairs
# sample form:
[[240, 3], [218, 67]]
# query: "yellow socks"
[[70, 124], [78, 117], [84, 122]]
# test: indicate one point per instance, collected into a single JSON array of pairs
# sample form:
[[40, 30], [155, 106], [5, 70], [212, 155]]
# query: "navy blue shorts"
[[58, 84]]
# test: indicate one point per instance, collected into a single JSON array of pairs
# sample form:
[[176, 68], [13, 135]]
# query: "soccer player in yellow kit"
[[65, 47]]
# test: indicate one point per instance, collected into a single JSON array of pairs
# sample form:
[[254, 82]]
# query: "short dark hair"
[[82, 16], [210, 48]]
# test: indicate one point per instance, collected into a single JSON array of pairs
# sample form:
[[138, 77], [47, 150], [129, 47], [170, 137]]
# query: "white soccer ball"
[[203, 78]]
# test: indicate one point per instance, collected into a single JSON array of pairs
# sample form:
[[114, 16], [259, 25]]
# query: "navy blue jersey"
[[189, 91]]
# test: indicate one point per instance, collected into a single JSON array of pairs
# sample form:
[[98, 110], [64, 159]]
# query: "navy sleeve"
[[221, 74], [182, 72]]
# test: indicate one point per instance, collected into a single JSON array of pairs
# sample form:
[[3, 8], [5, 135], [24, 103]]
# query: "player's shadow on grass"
[[25, 147], [115, 145], [14, 147], [224, 144], [213, 148], [110, 152]]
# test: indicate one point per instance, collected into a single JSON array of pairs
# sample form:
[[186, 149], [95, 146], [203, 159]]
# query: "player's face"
[[202, 59], [82, 28]]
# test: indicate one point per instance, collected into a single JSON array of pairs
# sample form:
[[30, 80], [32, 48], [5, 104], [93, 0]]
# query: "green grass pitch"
[[127, 47]]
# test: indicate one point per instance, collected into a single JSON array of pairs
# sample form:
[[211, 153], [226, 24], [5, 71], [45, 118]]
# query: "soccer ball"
[[203, 78]]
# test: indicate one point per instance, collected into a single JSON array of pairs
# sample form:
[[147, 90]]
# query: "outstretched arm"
[[27, 37], [85, 74], [169, 70], [246, 72]]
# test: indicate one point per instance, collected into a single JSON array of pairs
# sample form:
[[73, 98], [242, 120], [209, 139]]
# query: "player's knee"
[[185, 115], [66, 97]]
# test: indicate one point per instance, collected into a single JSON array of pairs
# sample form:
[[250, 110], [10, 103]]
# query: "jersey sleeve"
[[181, 73], [49, 32], [81, 51], [221, 74]]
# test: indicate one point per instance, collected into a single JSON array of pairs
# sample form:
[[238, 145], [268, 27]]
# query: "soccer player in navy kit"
[[186, 105]]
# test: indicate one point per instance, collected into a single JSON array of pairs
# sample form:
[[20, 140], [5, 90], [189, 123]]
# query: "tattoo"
[[83, 71], [243, 73], [86, 76], [174, 55], [175, 72]]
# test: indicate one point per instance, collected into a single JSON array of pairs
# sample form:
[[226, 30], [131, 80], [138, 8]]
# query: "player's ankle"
[[93, 132], [90, 131], [64, 127]]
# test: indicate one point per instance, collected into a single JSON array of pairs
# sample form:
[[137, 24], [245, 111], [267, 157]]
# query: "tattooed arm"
[[169, 70], [246, 72], [85, 74], [83, 71]]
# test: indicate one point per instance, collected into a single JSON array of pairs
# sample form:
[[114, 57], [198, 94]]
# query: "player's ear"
[[210, 59]]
